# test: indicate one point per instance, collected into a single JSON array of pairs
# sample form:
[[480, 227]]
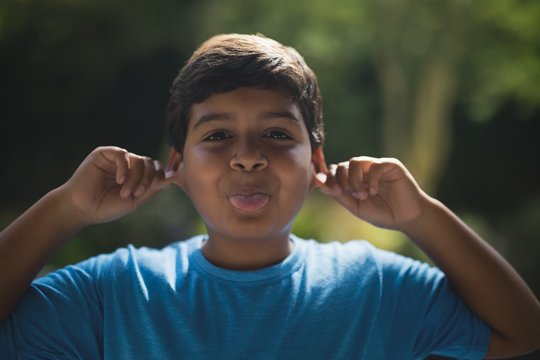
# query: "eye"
[[277, 135], [218, 136]]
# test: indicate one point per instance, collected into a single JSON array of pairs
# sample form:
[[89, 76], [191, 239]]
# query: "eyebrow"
[[285, 114], [268, 115], [212, 117]]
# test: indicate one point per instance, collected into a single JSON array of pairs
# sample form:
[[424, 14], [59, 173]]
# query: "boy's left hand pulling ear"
[[379, 191]]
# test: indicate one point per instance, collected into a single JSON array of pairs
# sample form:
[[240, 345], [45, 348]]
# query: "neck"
[[246, 254]]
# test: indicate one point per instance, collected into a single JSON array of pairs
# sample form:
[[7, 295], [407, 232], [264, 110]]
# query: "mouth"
[[249, 201]]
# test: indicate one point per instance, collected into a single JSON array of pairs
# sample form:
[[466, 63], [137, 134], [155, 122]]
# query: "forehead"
[[246, 102]]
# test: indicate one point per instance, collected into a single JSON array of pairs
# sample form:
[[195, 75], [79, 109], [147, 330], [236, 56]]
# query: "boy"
[[245, 123]]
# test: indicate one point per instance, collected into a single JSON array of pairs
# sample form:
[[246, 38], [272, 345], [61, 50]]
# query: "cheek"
[[301, 162], [204, 196], [204, 182], [199, 178], [296, 173]]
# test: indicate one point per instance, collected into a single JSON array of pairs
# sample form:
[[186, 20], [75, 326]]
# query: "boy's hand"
[[108, 184], [111, 183], [379, 191]]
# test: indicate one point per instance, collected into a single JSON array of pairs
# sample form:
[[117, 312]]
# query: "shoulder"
[[129, 261], [344, 250], [146, 259], [361, 257], [341, 262], [352, 252]]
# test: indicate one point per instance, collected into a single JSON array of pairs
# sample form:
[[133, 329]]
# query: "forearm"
[[485, 281], [28, 243]]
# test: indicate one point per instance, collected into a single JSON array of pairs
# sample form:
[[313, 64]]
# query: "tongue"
[[249, 202]]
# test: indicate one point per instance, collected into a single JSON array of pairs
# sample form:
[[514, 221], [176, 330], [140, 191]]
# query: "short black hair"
[[230, 61]]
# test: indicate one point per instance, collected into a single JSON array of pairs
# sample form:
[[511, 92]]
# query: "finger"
[[331, 183], [163, 178], [356, 178], [318, 179], [158, 184], [133, 176], [121, 159], [159, 174], [325, 181], [147, 177], [342, 177], [375, 174], [337, 180], [153, 190], [169, 174]]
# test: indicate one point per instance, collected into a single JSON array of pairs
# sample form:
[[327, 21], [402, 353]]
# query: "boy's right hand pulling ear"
[[112, 182]]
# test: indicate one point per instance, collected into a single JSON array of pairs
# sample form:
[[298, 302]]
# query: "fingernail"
[[332, 169], [321, 177], [359, 195]]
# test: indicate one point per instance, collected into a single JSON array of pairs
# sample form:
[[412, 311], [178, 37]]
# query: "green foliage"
[[504, 57]]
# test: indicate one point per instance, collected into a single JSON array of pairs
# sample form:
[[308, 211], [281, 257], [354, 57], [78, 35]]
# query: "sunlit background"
[[452, 88]]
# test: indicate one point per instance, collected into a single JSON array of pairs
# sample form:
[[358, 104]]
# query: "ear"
[[318, 165], [175, 168]]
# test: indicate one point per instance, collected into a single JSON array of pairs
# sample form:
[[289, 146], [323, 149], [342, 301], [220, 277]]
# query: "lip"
[[249, 200]]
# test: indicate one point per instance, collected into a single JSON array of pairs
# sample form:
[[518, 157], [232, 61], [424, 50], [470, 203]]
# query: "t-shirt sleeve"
[[427, 317], [60, 316]]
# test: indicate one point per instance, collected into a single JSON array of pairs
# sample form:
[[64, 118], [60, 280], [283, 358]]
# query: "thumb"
[[321, 182], [169, 174], [163, 180], [174, 176], [158, 185], [327, 184]]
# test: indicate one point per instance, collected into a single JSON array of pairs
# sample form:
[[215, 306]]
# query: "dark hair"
[[229, 61]]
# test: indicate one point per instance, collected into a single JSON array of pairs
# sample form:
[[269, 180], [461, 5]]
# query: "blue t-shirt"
[[324, 301]]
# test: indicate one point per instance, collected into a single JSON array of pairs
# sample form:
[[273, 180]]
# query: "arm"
[[109, 183], [383, 192], [484, 280], [27, 244]]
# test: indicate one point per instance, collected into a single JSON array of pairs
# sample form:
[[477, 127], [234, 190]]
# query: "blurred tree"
[[503, 59], [417, 47]]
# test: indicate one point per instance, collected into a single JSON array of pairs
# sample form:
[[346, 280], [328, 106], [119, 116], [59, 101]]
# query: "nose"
[[248, 158]]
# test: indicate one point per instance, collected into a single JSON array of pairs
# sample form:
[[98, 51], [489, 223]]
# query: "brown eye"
[[218, 136], [277, 135]]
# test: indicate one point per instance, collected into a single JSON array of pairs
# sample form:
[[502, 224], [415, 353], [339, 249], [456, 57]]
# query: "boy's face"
[[247, 163]]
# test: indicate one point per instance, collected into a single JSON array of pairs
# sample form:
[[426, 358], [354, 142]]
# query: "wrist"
[[63, 208], [424, 223]]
